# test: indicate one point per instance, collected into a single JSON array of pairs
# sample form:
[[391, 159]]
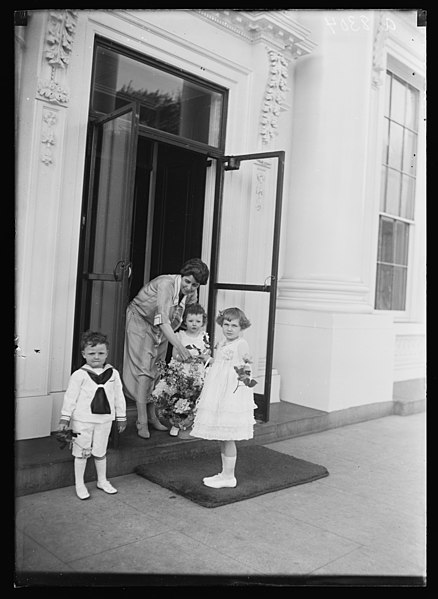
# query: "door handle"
[[117, 270], [120, 267]]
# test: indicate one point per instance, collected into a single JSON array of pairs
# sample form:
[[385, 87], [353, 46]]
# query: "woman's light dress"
[[225, 409]]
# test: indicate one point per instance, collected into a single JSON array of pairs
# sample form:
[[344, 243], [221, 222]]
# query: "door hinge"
[[232, 164]]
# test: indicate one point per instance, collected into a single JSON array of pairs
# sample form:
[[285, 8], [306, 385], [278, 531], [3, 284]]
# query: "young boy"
[[93, 400]]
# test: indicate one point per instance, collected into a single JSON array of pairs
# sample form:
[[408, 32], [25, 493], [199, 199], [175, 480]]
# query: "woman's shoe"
[[156, 424], [142, 430]]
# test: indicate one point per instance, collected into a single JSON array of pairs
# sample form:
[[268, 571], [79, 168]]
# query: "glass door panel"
[[247, 222], [244, 257], [108, 220]]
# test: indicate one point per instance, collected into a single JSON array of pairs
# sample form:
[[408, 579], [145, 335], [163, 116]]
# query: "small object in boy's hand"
[[65, 437]]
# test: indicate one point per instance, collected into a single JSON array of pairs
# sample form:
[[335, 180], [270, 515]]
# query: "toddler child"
[[93, 400]]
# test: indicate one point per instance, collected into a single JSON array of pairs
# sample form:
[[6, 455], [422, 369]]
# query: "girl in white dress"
[[225, 409]]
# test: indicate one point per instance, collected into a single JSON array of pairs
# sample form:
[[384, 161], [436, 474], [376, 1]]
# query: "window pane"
[[395, 145], [407, 197], [386, 240], [167, 102], [384, 287], [398, 101], [393, 192], [401, 243], [399, 288], [410, 153], [411, 119]]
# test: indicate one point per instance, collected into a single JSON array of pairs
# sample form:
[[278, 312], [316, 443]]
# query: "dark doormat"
[[259, 470]]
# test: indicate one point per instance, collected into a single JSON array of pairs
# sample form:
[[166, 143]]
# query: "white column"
[[332, 352]]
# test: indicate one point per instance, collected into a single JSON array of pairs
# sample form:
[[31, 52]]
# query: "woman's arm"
[[183, 353]]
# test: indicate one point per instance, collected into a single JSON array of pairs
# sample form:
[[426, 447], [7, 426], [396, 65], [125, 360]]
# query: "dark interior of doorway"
[[173, 180]]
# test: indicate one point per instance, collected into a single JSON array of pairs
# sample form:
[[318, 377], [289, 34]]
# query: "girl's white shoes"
[[219, 481], [174, 431]]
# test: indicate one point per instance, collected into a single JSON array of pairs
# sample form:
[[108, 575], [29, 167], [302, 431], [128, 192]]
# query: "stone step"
[[40, 464]]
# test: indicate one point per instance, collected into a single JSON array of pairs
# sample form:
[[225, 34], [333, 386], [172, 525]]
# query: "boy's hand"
[[121, 426], [63, 424]]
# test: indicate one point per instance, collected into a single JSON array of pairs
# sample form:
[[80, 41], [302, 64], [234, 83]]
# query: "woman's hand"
[[182, 353]]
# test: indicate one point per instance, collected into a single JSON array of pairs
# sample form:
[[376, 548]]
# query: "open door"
[[106, 230], [244, 257]]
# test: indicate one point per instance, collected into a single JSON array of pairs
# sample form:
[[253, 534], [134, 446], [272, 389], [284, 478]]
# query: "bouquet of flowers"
[[244, 373], [177, 391]]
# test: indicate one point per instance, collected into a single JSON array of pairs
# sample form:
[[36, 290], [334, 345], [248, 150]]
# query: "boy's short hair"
[[197, 269], [233, 314], [196, 309], [93, 338]]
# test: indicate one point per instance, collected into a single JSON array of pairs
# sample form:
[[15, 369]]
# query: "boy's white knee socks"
[[100, 464], [81, 490]]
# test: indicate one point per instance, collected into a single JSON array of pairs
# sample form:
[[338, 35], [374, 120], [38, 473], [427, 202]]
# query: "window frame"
[[406, 75], [216, 151]]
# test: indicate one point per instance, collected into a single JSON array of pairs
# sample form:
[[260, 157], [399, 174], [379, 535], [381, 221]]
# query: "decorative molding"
[[379, 55], [410, 350], [48, 137], [323, 295], [260, 189], [59, 38], [274, 96], [60, 33], [277, 27], [53, 92]]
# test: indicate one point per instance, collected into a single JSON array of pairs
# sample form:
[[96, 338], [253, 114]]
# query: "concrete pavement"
[[367, 519]]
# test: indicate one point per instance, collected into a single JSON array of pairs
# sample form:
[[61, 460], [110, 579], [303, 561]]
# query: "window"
[[168, 102], [397, 192]]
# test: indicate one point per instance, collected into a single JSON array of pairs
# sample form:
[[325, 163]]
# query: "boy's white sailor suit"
[[79, 406]]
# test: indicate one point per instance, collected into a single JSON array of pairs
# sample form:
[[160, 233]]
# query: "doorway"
[[142, 216]]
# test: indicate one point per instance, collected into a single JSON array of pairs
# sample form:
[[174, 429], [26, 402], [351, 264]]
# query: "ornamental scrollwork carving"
[[380, 36], [274, 95], [48, 138], [53, 92], [60, 34]]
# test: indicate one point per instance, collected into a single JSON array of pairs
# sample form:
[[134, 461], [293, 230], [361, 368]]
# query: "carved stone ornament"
[[59, 38], [278, 28], [274, 95], [48, 138], [380, 36], [53, 92]]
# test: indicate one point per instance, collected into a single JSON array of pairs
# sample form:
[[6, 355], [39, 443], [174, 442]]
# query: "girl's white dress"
[[225, 410]]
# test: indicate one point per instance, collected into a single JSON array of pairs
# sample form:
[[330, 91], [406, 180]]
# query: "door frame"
[[229, 163], [86, 232]]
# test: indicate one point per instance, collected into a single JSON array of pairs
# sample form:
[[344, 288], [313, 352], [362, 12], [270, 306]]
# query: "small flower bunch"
[[65, 437], [244, 374], [177, 392], [203, 354]]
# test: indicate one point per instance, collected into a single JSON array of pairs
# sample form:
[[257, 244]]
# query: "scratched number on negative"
[[355, 23]]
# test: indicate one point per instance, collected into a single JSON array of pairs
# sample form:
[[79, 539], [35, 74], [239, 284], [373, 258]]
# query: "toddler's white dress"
[[224, 412]]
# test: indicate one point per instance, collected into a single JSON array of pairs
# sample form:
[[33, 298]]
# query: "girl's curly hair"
[[233, 314]]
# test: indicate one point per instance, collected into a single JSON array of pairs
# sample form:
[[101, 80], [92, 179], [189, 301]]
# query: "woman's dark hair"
[[233, 314], [196, 309], [93, 338], [197, 269]]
